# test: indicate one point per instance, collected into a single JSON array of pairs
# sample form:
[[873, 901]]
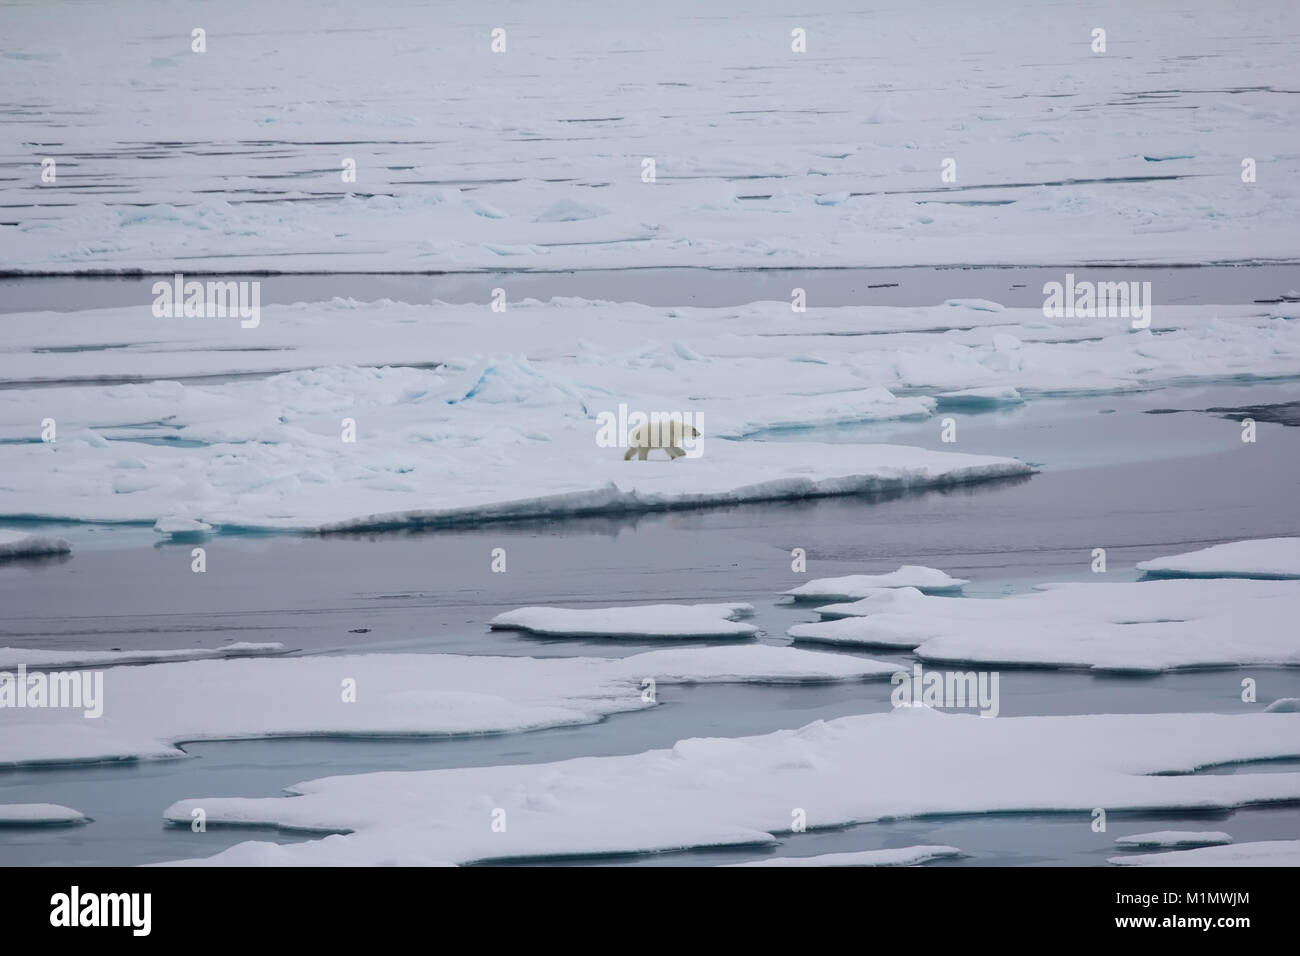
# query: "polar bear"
[[667, 434]]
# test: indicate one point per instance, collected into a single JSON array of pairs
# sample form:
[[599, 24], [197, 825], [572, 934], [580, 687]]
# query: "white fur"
[[667, 435]]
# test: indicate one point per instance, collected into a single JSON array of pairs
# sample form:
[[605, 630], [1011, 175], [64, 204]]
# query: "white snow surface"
[[39, 814], [718, 791], [147, 710], [452, 428], [894, 856], [854, 587], [1174, 838], [647, 620], [1262, 853], [1255, 558], [532, 158], [1144, 626]]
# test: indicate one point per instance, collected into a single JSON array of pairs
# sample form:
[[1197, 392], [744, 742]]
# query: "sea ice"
[[18, 544], [716, 791], [856, 586], [900, 856], [1267, 558], [149, 709], [1142, 626], [1173, 838], [650, 620], [39, 814], [1262, 853], [39, 658]]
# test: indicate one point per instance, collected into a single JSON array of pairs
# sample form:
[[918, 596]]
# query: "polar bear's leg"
[[629, 454], [674, 453], [643, 453]]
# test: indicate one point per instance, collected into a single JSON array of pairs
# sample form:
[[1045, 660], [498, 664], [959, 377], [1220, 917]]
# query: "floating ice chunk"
[[17, 544], [649, 620], [718, 792], [147, 710], [976, 398], [32, 658], [1174, 838], [855, 586], [1143, 626], [899, 856], [1263, 853], [1267, 558], [180, 526], [39, 814]]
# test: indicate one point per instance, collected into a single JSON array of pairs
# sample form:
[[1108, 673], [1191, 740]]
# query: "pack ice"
[[1256, 558], [1129, 626], [149, 709], [856, 586], [729, 792], [650, 620]]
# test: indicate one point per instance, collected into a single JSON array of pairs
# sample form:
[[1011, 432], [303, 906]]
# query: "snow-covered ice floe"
[[1267, 558], [853, 587], [179, 526], [900, 856], [34, 658], [18, 544], [454, 429], [717, 791], [1262, 853], [1173, 838], [39, 815], [149, 709], [648, 620], [1141, 626]]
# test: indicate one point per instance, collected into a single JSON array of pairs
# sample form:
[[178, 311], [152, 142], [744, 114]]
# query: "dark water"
[[1112, 476], [905, 286]]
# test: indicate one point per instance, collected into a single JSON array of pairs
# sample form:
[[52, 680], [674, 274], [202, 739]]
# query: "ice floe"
[[18, 544], [1129, 626], [900, 856], [854, 587], [451, 429], [1261, 853], [147, 710], [1173, 838], [648, 620], [715, 791], [39, 814], [1267, 558], [33, 658]]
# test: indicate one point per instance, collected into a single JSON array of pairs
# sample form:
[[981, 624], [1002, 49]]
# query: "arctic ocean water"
[[1112, 475]]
